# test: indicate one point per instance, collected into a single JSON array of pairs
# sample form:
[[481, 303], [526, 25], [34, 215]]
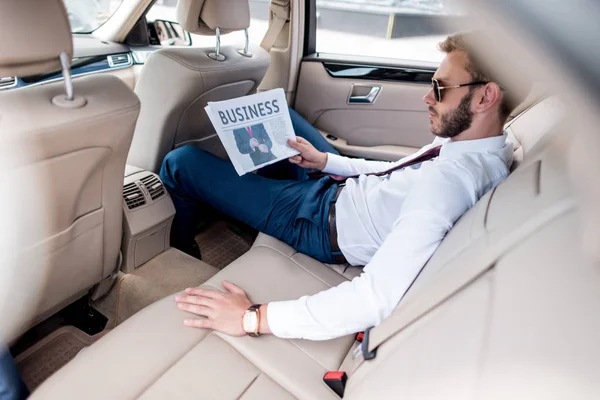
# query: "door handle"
[[363, 94]]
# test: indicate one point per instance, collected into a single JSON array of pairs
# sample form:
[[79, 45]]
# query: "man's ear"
[[489, 96]]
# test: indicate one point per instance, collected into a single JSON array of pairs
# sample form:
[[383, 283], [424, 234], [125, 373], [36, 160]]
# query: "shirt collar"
[[451, 149]]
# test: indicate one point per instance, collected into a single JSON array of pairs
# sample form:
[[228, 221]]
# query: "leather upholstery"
[[34, 33], [81, 152], [506, 308], [230, 364], [202, 17], [175, 86], [526, 130]]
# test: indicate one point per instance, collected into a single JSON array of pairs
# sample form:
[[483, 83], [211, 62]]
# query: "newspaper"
[[254, 129]]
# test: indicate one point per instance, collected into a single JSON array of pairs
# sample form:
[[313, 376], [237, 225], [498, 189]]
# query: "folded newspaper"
[[254, 129]]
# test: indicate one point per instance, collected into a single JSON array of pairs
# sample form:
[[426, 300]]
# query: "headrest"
[[526, 129], [32, 35], [537, 93], [203, 17]]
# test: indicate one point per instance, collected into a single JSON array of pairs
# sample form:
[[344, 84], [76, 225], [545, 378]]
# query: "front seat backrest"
[[177, 83], [78, 145]]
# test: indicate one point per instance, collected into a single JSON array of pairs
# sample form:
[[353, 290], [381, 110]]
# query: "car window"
[[259, 23], [403, 29], [86, 16]]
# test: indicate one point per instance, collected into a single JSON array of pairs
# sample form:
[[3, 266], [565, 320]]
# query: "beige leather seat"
[[506, 308], [177, 83], [79, 146]]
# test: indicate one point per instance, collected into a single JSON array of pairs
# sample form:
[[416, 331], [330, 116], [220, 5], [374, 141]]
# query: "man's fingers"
[[298, 144], [233, 288], [213, 294], [198, 300], [203, 323], [198, 310]]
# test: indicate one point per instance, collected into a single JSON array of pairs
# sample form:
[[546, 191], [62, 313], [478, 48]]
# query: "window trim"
[[310, 27]]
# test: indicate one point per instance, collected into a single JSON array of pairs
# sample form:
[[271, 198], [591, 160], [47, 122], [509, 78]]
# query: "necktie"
[[249, 131], [428, 155]]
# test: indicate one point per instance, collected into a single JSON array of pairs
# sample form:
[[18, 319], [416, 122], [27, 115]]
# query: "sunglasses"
[[437, 89]]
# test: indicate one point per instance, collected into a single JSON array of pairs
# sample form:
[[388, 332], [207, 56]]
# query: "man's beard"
[[456, 121]]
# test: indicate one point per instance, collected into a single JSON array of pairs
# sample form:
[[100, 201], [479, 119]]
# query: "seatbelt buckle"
[[363, 349], [336, 380]]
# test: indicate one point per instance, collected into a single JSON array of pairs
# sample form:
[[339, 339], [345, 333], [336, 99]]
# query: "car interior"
[[507, 307]]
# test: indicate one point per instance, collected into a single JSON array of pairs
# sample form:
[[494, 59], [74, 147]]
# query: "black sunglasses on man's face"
[[437, 89]]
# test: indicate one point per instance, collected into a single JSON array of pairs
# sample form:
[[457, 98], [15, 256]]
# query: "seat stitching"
[[170, 366], [310, 273], [230, 341], [487, 209], [250, 384], [308, 354], [100, 117], [277, 250], [256, 62], [300, 265]]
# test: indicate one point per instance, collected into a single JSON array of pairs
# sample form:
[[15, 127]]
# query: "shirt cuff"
[[336, 165], [280, 318]]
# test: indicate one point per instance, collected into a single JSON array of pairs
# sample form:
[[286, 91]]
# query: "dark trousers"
[[280, 200], [11, 386]]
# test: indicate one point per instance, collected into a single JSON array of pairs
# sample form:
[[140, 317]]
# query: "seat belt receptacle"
[[336, 380]]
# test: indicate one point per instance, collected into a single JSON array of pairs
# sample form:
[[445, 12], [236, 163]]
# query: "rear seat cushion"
[[153, 355], [346, 270]]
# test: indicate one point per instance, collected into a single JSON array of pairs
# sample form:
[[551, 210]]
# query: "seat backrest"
[[507, 306], [79, 146], [176, 84]]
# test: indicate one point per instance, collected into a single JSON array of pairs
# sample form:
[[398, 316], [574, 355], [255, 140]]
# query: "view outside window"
[[259, 23], [403, 29], [88, 15]]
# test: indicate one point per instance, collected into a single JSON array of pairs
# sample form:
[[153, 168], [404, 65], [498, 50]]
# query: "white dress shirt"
[[392, 224]]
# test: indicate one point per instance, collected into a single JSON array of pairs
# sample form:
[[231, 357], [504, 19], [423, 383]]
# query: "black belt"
[[333, 242]]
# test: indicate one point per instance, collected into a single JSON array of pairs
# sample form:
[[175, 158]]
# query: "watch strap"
[[255, 308]]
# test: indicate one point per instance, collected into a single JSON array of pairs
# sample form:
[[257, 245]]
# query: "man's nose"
[[429, 98]]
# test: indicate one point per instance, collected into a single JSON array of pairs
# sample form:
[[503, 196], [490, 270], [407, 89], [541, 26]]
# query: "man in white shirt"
[[390, 217]]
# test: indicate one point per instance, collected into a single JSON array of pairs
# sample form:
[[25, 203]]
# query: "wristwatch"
[[251, 320]]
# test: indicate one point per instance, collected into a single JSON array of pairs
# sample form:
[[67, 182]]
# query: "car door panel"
[[394, 125]]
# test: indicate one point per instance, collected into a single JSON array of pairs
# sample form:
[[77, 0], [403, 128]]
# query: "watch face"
[[250, 321]]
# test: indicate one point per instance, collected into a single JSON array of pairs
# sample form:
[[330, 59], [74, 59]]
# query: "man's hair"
[[465, 41]]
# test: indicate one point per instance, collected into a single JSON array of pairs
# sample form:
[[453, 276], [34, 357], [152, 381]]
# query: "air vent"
[[133, 196], [7, 82], [119, 60], [154, 186]]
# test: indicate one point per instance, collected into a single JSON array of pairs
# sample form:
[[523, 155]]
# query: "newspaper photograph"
[[254, 129]]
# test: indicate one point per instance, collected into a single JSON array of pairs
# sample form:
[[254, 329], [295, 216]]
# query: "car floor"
[[221, 241], [48, 355]]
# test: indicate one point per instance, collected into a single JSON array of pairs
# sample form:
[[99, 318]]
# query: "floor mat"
[[167, 273], [47, 356], [223, 242]]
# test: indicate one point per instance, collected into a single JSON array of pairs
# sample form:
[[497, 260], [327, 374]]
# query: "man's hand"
[[253, 143], [309, 157], [223, 311], [263, 148]]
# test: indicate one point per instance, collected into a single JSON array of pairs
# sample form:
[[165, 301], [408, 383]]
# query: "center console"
[[147, 217]]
